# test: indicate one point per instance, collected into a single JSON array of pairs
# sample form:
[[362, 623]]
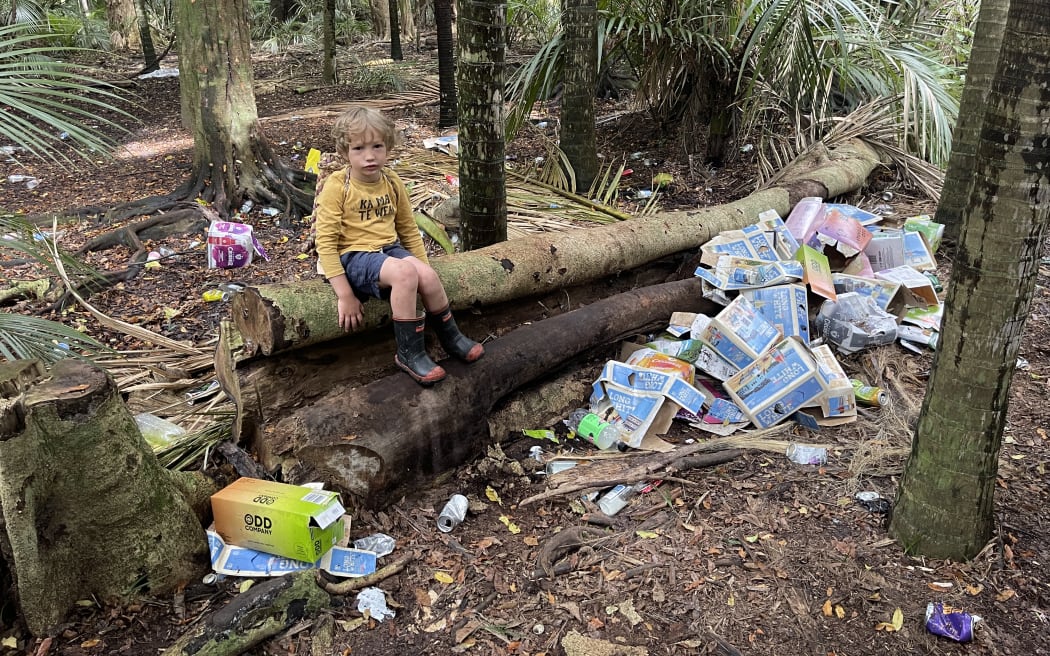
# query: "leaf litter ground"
[[757, 555]]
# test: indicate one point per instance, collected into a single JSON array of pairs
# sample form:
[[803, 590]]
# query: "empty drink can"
[[869, 395]]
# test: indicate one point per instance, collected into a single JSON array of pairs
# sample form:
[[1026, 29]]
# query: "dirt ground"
[[756, 556]]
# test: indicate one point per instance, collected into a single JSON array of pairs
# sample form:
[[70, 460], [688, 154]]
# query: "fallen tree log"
[[378, 439], [264, 389], [287, 316]]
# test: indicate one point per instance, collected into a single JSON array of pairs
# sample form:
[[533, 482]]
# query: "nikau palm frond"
[[49, 102]]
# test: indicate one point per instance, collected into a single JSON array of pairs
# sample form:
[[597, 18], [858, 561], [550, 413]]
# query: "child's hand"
[[351, 313]]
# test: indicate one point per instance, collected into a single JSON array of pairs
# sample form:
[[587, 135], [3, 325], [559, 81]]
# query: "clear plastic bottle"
[[590, 427], [617, 498]]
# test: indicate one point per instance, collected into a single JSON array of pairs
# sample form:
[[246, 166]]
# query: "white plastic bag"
[[232, 245]]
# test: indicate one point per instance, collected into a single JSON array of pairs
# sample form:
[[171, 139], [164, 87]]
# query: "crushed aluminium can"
[[869, 395]]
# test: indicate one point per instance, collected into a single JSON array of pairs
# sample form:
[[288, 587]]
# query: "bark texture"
[[446, 63], [945, 500], [480, 78], [984, 55], [265, 610], [87, 509], [577, 130], [232, 160], [283, 317], [375, 440]]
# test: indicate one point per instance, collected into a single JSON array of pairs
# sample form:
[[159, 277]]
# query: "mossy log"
[[265, 610], [376, 440], [86, 509], [282, 317]]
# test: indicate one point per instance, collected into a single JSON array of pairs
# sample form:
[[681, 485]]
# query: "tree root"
[[561, 545]]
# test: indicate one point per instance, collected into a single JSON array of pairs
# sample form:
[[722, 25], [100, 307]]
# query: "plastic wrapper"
[[854, 322], [950, 622]]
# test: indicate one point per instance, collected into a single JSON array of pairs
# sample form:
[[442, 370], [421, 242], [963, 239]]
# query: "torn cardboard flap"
[[739, 333], [817, 271], [920, 289], [232, 560], [784, 306]]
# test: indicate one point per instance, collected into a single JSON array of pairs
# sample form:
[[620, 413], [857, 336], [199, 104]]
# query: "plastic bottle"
[[617, 498], [590, 427]]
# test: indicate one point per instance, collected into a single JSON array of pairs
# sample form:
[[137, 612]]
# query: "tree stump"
[[86, 509]]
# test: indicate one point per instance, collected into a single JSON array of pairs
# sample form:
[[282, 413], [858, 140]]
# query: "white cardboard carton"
[[779, 382]]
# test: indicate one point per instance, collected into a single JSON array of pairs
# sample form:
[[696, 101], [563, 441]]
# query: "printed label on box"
[[779, 382], [784, 306], [739, 333], [817, 272]]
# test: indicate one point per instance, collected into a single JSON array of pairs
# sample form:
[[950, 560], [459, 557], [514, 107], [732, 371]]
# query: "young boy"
[[369, 246]]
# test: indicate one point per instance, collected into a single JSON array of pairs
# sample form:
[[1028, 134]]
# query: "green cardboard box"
[[285, 520]]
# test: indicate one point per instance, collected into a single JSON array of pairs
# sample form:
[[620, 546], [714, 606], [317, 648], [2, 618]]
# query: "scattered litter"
[[157, 432], [372, 601], [453, 513], [807, 454], [160, 73], [950, 622], [380, 544], [873, 502]]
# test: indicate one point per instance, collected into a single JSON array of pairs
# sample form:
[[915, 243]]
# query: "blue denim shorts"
[[362, 270]]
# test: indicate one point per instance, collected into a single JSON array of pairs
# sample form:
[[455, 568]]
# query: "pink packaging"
[[805, 218], [232, 245]]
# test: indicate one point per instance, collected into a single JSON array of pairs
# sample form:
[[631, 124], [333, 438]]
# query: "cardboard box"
[[863, 216], [773, 387], [887, 294], [930, 229], [918, 286], [784, 306], [293, 521], [739, 333], [839, 397], [844, 229], [817, 271], [885, 250], [917, 252], [784, 242]]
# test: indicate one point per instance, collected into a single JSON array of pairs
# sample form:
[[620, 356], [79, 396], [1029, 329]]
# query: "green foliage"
[[305, 27], [52, 105], [532, 23], [763, 66], [26, 338]]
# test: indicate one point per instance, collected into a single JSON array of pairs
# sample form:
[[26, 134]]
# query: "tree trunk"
[[480, 81], [577, 131], [380, 18], [232, 161], [123, 24], [446, 63], [150, 60], [88, 510], [282, 317], [984, 55], [329, 71], [374, 441], [395, 32], [945, 501]]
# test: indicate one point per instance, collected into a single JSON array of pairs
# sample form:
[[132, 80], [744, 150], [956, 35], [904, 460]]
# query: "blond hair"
[[359, 121]]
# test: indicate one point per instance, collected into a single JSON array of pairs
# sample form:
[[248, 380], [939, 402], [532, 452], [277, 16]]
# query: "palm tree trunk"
[[446, 63], [577, 130], [395, 32], [945, 501], [329, 72], [984, 55], [481, 79]]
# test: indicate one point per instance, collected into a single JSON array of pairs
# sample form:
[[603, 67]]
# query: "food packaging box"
[[854, 322], [930, 229], [917, 252], [844, 229], [805, 217], [232, 560], [887, 294], [779, 382], [864, 217], [817, 271], [293, 521], [739, 333], [917, 286], [784, 242], [886, 249], [839, 397], [784, 306]]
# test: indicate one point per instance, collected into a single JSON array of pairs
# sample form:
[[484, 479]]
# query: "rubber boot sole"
[[436, 374]]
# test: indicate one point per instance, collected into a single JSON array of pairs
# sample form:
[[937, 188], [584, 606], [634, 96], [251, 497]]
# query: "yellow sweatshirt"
[[362, 216]]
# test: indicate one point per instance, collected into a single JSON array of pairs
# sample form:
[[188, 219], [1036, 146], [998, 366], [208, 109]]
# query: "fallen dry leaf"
[[1004, 595]]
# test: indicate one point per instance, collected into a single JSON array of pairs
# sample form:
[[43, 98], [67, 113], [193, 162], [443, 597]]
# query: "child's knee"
[[400, 273]]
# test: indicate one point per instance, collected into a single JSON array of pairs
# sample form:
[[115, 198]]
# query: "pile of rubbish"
[[796, 293]]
